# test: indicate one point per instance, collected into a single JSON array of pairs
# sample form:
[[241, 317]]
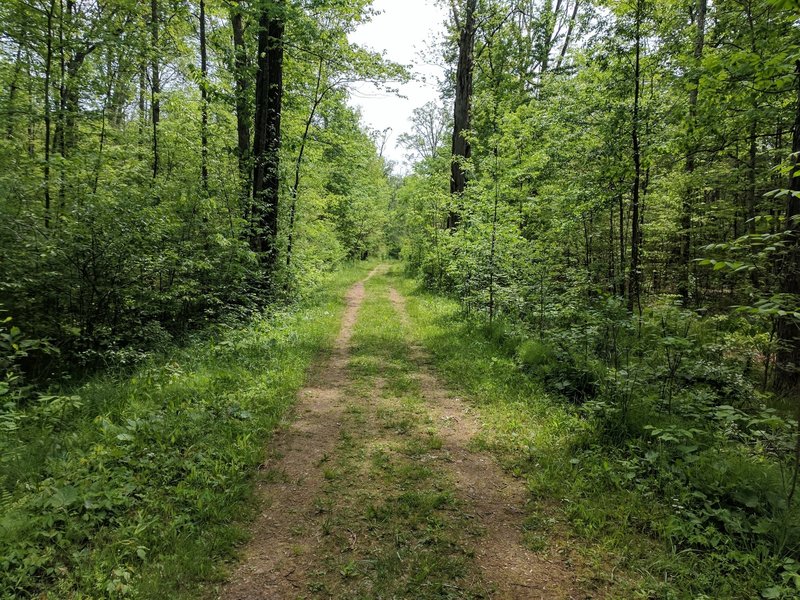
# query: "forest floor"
[[377, 486]]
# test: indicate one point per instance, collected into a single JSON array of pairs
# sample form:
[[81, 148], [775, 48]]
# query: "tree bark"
[[568, 39], [634, 289], [752, 164], [203, 100], [788, 328], [687, 209], [155, 101], [141, 102], [267, 138], [48, 64], [462, 109], [243, 112]]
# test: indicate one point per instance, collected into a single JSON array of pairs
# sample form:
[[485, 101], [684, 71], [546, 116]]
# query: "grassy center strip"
[[391, 524]]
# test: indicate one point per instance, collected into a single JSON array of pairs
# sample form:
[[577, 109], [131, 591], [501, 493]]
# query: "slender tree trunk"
[[635, 274], [243, 112], [752, 163], [493, 246], [31, 112], [547, 48], [142, 102], [58, 140], [155, 100], [12, 90], [687, 210], [299, 162], [462, 110], [612, 277], [568, 38], [203, 100], [106, 104], [267, 139], [788, 357], [48, 65], [61, 123], [623, 280]]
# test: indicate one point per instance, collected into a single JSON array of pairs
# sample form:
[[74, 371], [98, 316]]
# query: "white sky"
[[402, 31]]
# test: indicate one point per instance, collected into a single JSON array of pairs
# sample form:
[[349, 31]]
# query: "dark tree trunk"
[[463, 107], [155, 101], [243, 112], [267, 138], [688, 198], [48, 64], [203, 100], [58, 138], [788, 358], [634, 288], [71, 61], [568, 39]]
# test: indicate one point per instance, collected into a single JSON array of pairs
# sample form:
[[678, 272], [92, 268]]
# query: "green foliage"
[[110, 262], [690, 499], [139, 488]]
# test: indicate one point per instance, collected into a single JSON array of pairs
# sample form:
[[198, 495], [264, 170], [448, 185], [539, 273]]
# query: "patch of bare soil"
[[277, 561], [496, 499]]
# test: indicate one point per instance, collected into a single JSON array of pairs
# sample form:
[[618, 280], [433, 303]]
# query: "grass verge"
[[143, 482], [580, 486]]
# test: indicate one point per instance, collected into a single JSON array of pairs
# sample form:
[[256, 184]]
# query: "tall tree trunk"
[[155, 101], [568, 38], [788, 358], [549, 34], [634, 288], [462, 110], [752, 164], [48, 65], [243, 112], [12, 89], [299, 162], [203, 99], [31, 111], [142, 102], [688, 198], [75, 60], [267, 138], [107, 102], [60, 140]]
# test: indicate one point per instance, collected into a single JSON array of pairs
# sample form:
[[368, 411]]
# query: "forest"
[[245, 354]]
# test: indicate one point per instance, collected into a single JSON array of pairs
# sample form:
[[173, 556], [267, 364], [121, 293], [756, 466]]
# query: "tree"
[[788, 327], [462, 106], [429, 123], [267, 133]]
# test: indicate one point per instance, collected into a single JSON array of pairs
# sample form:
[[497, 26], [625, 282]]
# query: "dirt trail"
[[287, 556], [277, 561], [496, 499]]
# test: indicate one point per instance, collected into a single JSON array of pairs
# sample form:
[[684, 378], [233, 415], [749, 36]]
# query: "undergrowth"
[[138, 485], [672, 490]]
